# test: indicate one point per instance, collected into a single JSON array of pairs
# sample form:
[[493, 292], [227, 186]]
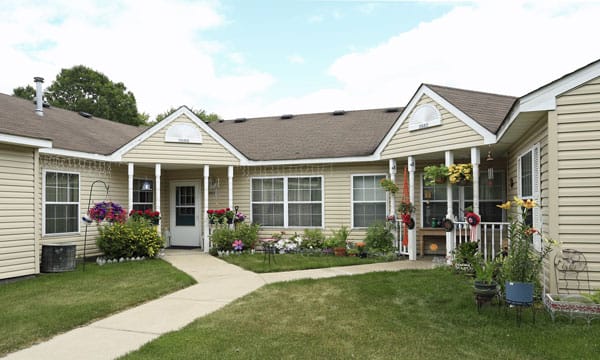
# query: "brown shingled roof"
[[487, 109], [67, 129], [309, 136]]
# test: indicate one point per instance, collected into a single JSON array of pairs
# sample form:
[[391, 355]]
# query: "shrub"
[[338, 237], [133, 238], [222, 238], [379, 238], [313, 239], [248, 233]]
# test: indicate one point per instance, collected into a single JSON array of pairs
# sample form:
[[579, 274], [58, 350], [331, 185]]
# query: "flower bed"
[[571, 306]]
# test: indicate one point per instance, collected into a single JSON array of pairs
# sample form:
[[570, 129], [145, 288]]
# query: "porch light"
[[489, 157], [146, 185]]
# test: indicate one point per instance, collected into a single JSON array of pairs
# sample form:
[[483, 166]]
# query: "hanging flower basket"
[[460, 174], [435, 174], [389, 185], [448, 225]]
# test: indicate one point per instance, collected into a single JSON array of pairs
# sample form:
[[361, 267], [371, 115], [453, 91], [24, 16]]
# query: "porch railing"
[[493, 236]]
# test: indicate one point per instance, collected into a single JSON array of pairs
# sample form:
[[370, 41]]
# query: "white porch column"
[[129, 187], [230, 185], [450, 236], [412, 233], [392, 163], [475, 160], [157, 191], [204, 208]]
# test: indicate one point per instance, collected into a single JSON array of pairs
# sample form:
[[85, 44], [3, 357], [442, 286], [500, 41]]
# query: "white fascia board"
[[488, 137], [351, 159], [117, 155], [76, 154], [25, 141], [544, 99]]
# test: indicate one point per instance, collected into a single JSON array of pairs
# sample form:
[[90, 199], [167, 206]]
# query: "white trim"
[[26, 141], [488, 137], [286, 201], [77, 154], [352, 198], [350, 159], [117, 155], [44, 171], [544, 98]]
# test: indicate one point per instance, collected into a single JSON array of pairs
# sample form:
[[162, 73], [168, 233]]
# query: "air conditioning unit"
[[58, 258]]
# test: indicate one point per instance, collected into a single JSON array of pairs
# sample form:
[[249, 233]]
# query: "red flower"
[[210, 211]]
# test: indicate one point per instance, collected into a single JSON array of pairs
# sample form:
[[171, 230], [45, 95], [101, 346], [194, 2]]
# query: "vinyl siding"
[[155, 149], [451, 134], [337, 191], [578, 168], [89, 172], [17, 211]]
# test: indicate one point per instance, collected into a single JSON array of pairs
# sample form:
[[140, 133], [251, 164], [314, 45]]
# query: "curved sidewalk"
[[219, 283]]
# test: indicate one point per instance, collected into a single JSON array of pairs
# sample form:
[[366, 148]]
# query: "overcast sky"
[[245, 58]]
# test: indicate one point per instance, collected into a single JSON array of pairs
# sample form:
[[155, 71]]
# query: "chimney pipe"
[[39, 96]]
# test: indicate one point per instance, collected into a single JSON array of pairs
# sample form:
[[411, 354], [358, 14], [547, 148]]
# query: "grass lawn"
[[415, 314], [289, 262], [36, 309]]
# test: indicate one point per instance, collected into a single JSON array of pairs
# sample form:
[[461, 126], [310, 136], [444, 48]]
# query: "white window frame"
[[133, 203], [536, 212], [44, 202], [286, 202], [352, 198]]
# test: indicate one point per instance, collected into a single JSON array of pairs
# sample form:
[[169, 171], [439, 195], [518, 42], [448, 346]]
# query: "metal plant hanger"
[[86, 217]]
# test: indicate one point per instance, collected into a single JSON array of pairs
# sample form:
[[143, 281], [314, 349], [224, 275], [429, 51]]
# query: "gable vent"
[[392, 110], [339, 112], [85, 115], [287, 116], [240, 120]]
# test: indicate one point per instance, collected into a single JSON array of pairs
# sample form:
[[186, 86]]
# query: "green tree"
[[27, 92], [201, 114], [83, 89]]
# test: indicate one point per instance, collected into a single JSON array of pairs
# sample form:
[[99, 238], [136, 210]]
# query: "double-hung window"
[[288, 201], [143, 198], [369, 200], [61, 202], [528, 181]]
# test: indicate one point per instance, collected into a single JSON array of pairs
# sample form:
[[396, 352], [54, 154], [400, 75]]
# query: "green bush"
[[248, 233], [338, 237], [379, 238], [313, 239], [222, 238], [133, 238]]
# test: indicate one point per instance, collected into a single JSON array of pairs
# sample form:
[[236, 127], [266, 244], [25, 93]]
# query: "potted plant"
[[464, 255], [361, 247], [460, 174], [406, 209], [389, 185], [339, 239], [485, 271], [435, 174], [523, 263]]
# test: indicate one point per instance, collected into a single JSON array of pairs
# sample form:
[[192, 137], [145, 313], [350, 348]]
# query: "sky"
[[249, 58]]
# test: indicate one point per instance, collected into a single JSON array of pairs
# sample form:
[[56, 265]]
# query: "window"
[[528, 180], [492, 192], [369, 203], [61, 202], [288, 201], [143, 199]]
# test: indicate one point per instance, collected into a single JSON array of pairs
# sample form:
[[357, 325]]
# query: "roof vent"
[[287, 116], [339, 112], [85, 115], [392, 110], [240, 120]]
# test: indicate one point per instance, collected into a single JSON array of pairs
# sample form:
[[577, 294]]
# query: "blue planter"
[[518, 293]]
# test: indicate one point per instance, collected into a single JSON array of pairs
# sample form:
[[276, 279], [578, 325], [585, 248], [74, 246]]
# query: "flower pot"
[[339, 251], [440, 180], [518, 293], [463, 182], [485, 289]]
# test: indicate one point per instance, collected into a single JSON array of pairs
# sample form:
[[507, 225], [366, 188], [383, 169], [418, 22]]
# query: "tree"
[[27, 92], [83, 89], [201, 114]]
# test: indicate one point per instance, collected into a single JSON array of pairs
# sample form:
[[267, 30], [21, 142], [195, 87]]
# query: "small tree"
[[201, 114]]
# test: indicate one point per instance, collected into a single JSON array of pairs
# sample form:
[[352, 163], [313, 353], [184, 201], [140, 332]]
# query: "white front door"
[[185, 214]]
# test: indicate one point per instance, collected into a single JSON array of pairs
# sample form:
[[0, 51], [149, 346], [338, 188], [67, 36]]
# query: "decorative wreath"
[[448, 225], [472, 218]]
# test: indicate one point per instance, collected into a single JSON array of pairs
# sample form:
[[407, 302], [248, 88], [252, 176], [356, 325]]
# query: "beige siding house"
[[293, 172]]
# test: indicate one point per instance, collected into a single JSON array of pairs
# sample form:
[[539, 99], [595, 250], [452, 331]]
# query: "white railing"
[[398, 234], [493, 236]]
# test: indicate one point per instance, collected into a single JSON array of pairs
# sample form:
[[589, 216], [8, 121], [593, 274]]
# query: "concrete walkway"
[[219, 283]]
